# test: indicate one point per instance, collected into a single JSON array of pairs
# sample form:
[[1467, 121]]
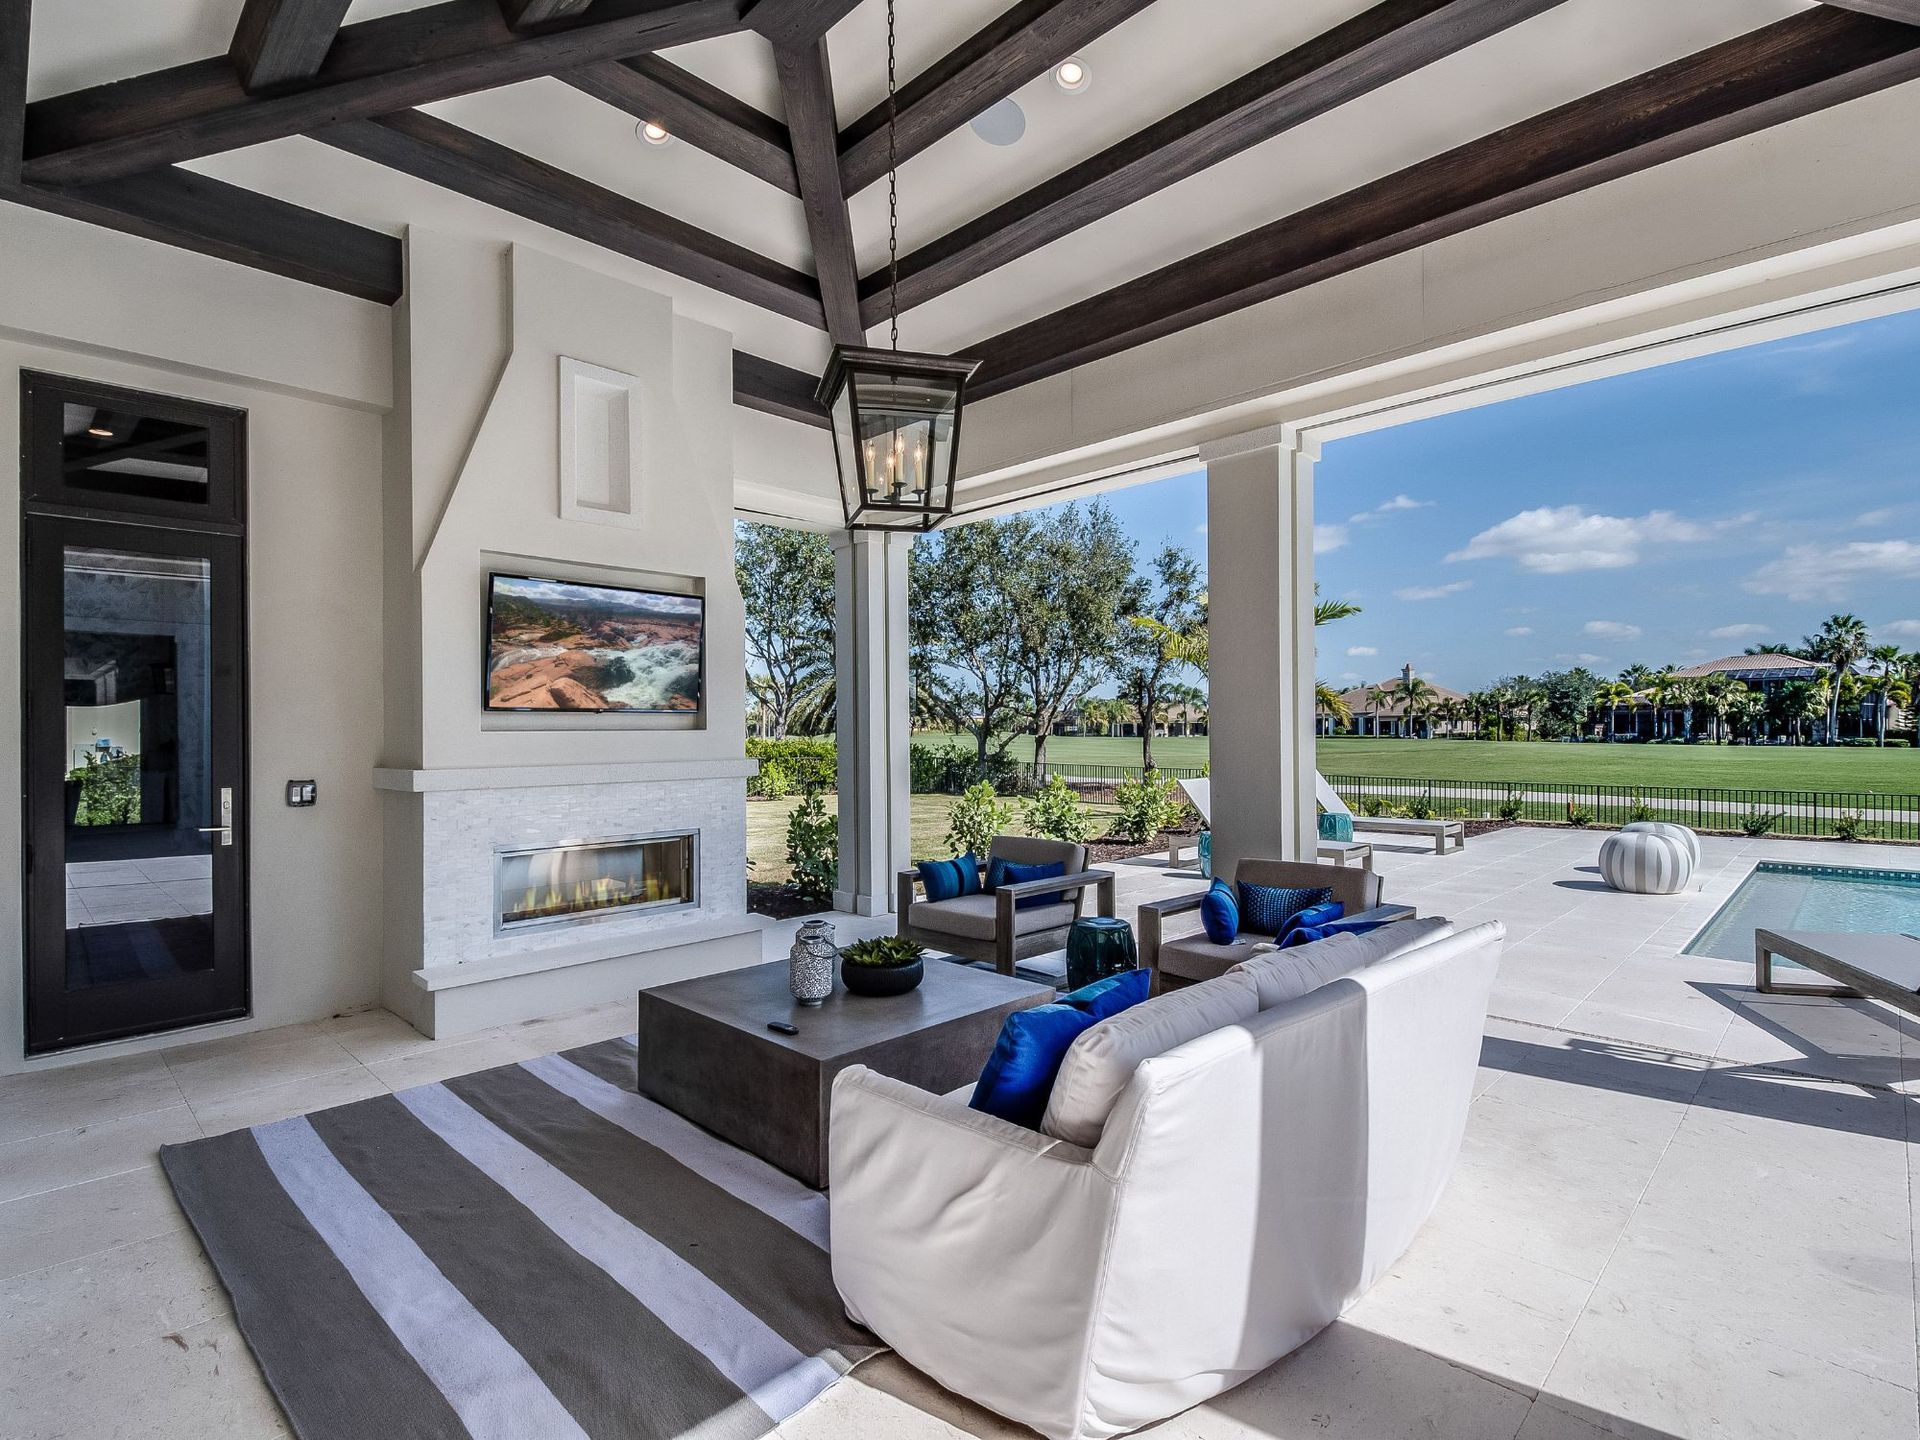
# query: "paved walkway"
[[1682, 1209]]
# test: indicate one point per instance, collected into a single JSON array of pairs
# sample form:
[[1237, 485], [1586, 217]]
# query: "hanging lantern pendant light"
[[895, 413]]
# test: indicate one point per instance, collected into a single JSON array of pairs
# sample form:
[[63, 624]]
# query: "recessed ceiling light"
[[101, 431], [1072, 75], [653, 132]]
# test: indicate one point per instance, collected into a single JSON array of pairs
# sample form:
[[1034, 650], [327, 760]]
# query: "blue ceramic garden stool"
[[1099, 946]]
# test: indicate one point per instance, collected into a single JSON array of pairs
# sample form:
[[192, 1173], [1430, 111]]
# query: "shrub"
[[109, 792], [1056, 812], [1510, 808], [1849, 825], [1578, 816], [1420, 808], [949, 769], [976, 819], [772, 783], [1372, 805], [810, 761], [813, 848], [1641, 810], [1147, 805], [1757, 822]]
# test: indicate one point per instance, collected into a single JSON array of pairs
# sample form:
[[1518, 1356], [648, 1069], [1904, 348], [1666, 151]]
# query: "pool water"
[[1811, 897]]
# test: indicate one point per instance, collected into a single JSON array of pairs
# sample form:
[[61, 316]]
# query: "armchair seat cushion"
[[1195, 957], [972, 917]]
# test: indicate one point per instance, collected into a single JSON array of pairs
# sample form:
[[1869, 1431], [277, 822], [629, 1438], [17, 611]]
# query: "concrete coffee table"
[[706, 1052]]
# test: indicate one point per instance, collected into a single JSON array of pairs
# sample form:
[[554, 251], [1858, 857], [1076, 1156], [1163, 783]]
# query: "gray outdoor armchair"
[[990, 925]]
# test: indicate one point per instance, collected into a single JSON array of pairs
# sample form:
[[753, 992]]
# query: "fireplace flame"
[[658, 874]]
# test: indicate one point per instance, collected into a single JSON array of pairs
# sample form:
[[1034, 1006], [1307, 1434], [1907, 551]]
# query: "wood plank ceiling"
[[112, 154]]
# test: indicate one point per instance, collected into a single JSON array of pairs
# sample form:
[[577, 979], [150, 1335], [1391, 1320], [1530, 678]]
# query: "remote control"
[[781, 1027]]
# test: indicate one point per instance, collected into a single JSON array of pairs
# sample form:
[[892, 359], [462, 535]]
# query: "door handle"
[[225, 828]]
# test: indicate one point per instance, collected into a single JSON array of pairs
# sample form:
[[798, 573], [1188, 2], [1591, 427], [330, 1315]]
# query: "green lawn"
[[1737, 767]]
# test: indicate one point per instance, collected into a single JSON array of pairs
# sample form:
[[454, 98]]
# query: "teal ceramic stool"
[[1099, 946]]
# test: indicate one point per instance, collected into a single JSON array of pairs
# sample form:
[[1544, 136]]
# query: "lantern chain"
[[893, 194]]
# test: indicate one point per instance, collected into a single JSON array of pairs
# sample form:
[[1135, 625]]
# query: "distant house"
[[1389, 716], [1765, 674]]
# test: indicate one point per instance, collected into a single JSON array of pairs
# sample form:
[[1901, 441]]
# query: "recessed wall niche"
[[600, 451]]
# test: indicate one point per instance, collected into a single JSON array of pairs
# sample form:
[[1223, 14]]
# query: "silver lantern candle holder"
[[811, 961]]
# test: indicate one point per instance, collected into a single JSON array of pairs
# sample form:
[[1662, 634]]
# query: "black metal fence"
[[1862, 814], [1077, 772]]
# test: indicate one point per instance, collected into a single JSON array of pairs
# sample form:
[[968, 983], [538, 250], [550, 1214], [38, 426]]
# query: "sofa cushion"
[[1220, 913], [1265, 909], [972, 917], [1283, 975], [950, 879], [1194, 957], [1102, 1061]]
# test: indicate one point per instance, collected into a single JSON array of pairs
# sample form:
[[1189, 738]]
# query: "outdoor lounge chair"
[[1440, 831], [1872, 967], [989, 925], [1337, 852]]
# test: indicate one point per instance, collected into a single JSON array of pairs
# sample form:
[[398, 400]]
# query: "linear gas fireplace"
[[594, 880]]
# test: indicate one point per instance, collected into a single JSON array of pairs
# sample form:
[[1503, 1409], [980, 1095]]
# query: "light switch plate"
[[302, 792]]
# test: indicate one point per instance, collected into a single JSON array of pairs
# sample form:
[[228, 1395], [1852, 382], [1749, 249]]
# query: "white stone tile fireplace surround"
[[452, 974]]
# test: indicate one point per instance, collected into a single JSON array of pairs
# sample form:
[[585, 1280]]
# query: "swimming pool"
[[1811, 897]]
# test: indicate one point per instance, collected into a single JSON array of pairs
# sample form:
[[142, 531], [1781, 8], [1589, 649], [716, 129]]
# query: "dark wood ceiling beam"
[[703, 115], [282, 42], [198, 213], [375, 67], [797, 22], [1023, 43], [1386, 43], [15, 16], [776, 389], [430, 149], [531, 14], [806, 90], [1905, 11], [1800, 65]]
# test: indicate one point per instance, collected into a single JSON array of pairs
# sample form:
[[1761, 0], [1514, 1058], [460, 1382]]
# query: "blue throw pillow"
[[1307, 934], [1019, 1074], [1220, 914], [996, 873], [949, 879], [1020, 874], [1104, 998], [1335, 826], [1313, 917], [1264, 908]]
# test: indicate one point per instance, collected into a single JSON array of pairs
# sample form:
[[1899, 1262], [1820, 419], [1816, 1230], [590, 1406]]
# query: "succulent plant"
[[886, 952]]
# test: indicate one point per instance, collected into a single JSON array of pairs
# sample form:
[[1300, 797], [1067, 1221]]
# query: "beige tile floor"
[[1681, 1209]]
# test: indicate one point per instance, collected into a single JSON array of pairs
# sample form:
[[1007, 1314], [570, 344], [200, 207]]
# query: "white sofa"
[[1247, 1187]]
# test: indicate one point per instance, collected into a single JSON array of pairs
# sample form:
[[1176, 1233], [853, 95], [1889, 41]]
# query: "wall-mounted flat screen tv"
[[562, 645]]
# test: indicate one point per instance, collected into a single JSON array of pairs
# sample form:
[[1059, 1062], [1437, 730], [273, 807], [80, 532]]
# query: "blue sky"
[[1671, 515]]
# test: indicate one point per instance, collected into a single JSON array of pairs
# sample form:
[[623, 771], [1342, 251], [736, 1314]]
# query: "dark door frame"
[[55, 1017]]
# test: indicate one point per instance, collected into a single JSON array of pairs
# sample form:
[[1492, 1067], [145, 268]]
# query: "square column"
[[1260, 671], [872, 721]]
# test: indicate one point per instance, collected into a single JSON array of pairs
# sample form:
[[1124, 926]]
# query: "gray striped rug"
[[530, 1253]]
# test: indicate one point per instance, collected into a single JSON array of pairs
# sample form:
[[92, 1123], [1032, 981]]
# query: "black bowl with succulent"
[[889, 965]]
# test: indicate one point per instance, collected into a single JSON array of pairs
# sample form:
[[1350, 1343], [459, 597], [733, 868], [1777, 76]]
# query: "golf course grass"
[[1732, 767]]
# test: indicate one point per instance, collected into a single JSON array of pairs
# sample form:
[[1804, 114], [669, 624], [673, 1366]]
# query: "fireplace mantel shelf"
[[527, 777]]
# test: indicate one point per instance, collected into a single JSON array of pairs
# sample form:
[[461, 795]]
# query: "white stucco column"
[[1260, 637], [872, 719]]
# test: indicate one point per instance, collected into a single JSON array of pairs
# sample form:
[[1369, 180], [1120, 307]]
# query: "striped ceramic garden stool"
[[1644, 862], [1678, 832]]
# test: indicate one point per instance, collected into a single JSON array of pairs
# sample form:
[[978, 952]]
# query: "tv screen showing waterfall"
[[562, 645]]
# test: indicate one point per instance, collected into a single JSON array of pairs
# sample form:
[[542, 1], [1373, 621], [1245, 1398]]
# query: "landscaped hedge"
[[809, 761]]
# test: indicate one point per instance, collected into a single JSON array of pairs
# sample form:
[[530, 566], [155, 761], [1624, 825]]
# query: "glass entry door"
[[135, 777]]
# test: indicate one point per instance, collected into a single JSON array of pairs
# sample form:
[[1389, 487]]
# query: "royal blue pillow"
[[949, 879], [1313, 916], [1104, 998], [1019, 1074], [1264, 908], [1220, 914], [1020, 874], [1307, 934], [996, 873]]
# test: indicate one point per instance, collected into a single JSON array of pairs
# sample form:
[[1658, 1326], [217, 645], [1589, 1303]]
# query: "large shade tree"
[[960, 627], [1175, 605], [786, 593]]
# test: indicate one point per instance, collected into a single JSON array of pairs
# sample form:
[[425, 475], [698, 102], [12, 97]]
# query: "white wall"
[[310, 368]]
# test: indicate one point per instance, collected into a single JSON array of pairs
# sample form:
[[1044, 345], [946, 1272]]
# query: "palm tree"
[[1886, 660], [1660, 694], [1328, 701], [1841, 642], [1376, 697], [1748, 707], [1613, 695], [1418, 697], [1717, 694]]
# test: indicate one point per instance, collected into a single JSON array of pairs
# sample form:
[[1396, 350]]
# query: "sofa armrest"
[[1007, 897], [972, 1246], [1153, 915]]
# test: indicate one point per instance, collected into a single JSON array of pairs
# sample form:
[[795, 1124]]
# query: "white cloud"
[[1351, 676], [1832, 572], [1736, 632], [1521, 631], [1872, 519], [1361, 650], [1432, 592], [1585, 657], [1611, 630], [1899, 629], [1328, 537], [1556, 540], [1389, 507]]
